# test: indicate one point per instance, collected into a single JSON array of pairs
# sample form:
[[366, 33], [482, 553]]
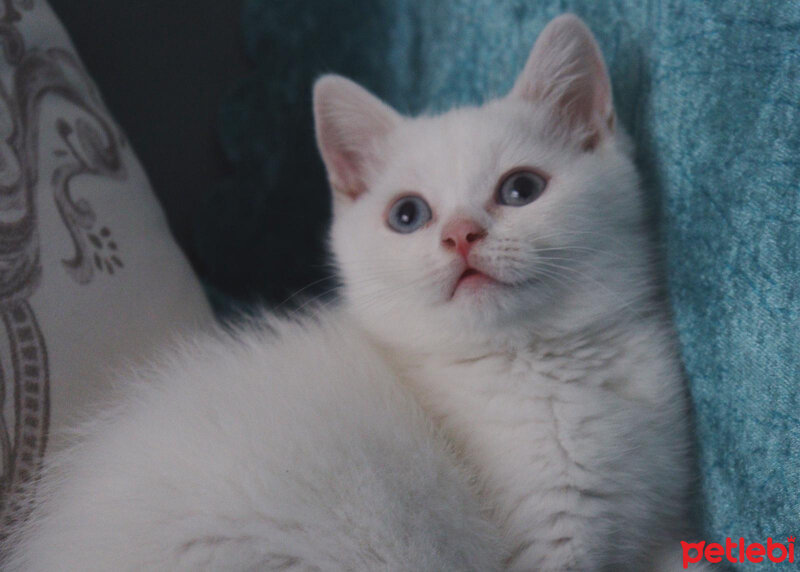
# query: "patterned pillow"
[[90, 278]]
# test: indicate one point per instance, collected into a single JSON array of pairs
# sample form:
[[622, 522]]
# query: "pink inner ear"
[[344, 167], [586, 104], [565, 70], [351, 124]]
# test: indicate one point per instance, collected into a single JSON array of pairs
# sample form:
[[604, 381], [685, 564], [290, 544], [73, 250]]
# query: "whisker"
[[585, 276], [305, 288]]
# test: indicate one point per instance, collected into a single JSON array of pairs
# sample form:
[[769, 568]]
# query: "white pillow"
[[90, 278]]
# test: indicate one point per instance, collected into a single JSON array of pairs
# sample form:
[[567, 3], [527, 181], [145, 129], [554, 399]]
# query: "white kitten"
[[293, 449], [499, 256], [495, 263]]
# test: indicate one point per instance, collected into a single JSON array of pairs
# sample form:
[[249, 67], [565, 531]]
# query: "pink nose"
[[461, 234]]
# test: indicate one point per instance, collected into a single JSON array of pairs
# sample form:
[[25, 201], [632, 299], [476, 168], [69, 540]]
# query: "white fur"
[[560, 387], [557, 387], [292, 450]]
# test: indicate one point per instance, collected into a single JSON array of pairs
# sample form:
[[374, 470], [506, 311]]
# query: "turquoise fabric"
[[711, 93]]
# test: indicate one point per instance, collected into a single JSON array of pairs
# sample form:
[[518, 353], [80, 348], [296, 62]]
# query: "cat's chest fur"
[[555, 433]]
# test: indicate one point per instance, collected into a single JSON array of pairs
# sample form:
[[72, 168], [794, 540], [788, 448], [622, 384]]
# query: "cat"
[[286, 445], [498, 388], [500, 256]]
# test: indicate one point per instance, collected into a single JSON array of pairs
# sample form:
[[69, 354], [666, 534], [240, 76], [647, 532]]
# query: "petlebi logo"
[[741, 551]]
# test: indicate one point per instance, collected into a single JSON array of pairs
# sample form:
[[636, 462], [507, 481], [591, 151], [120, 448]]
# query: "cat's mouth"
[[472, 279]]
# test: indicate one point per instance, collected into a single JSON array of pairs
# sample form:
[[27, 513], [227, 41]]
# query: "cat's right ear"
[[350, 124], [566, 73]]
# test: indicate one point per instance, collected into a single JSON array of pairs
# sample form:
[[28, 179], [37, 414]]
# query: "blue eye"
[[520, 188], [409, 214]]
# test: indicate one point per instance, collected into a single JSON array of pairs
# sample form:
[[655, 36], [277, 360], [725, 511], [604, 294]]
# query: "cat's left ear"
[[351, 124], [566, 72]]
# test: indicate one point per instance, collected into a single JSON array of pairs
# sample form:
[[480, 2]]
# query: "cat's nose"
[[461, 234]]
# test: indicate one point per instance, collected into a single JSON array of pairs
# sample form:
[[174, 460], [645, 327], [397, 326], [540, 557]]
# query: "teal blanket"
[[711, 93]]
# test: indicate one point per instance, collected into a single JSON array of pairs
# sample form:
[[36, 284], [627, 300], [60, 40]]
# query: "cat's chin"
[[480, 301]]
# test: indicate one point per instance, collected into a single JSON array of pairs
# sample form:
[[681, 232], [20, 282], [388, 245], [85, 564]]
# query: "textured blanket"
[[711, 93]]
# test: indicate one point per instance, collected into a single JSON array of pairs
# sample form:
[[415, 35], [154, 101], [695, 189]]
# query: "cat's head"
[[485, 219]]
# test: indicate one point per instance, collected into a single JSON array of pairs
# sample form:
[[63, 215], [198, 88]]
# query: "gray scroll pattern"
[[86, 144]]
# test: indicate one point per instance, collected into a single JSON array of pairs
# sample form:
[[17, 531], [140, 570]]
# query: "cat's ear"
[[350, 123], [566, 72]]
